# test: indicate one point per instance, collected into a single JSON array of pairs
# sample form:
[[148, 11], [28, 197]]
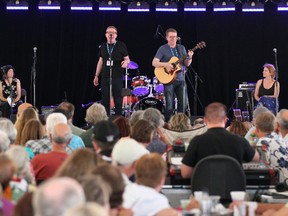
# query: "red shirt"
[[45, 165]]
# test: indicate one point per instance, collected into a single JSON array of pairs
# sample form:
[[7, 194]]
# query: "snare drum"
[[148, 102], [158, 87], [140, 85]]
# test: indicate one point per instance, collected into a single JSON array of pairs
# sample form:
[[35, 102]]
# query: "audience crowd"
[[117, 167]]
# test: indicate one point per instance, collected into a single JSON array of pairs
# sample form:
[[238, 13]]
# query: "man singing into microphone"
[[112, 55], [176, 87]]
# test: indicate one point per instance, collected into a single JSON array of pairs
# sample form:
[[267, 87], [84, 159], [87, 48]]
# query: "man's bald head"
[[61, 133]]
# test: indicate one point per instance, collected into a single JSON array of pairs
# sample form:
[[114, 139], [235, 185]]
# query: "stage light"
[[109, 6], [17, 5], [282, 6], [253, 7], [195, 6], [166, 6], [223, 6], [81, 5], [138, 6], [49, 5]]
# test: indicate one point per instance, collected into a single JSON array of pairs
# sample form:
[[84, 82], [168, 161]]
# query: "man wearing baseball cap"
[[105, 135]]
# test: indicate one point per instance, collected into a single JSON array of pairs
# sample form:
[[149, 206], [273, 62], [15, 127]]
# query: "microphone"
[[275, 50], [157, 32], [35, 49], [110, 35], [178, 38]]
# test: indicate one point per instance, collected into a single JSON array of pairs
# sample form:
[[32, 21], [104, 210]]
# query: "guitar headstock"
[[200, 45]]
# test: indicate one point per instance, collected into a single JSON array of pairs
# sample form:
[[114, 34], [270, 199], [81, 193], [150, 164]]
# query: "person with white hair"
[[23, 176], [45, 165], [4, 141], [159, 142], [94, 114], [56, 196], [8, 127]]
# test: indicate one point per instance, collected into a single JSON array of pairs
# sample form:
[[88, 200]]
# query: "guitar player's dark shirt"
[[165, 53]]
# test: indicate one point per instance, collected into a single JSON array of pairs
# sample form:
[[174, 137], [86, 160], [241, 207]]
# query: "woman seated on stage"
[[267, 89], [10, 90]]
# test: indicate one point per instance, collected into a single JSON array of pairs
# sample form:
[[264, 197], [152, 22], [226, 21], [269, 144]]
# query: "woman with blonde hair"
[[180, 122], [33, 130]]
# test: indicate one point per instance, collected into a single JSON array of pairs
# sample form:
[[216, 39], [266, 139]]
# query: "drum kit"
[[145, 93]]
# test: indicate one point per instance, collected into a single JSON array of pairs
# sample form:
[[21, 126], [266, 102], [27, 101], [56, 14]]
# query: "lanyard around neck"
[[110, 50], [176, 52]]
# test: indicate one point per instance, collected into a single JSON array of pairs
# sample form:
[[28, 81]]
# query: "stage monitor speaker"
[[245, 100], [46, 110]]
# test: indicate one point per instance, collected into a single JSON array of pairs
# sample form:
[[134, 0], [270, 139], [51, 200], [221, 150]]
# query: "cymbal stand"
[[125, 106]]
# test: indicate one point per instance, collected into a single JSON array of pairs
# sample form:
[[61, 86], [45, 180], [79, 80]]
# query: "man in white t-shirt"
[[143, 197]]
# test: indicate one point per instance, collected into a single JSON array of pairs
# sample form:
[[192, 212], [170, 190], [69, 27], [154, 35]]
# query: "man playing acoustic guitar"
[[170, 62]]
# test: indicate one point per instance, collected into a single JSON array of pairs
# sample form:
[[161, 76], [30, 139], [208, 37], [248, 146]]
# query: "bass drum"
[[148, 102]]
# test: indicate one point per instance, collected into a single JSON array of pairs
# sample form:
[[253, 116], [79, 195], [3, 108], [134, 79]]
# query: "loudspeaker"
[[46, 110]]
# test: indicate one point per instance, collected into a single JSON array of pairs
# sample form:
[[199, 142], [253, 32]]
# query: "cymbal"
[[124, 78], [132, 65]]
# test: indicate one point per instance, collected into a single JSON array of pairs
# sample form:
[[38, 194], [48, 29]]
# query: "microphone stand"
[[195, 96], [276, 78], [110, 74], [33, 77]]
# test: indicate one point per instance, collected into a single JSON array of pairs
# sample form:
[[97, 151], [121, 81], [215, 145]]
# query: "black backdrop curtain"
[[238, 45]]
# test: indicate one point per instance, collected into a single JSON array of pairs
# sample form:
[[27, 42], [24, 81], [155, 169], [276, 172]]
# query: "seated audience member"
[[123, 125], [237, 127], [143, 132], [250, 136], [10, 90], [79, 163], [198, 123], [180, 122], [112, 175], [217, 140], [23, 176], [159, 142], [96, 190], [282, 125], [26, 115], [144, 197], [76, 141], [33, 130], [45, 165], [70, 109], [105, 135], [8, 127], [24, 206], [87, 209], [7, 170], [22, 107], [94, 114], [272, 151], [44, 145], [125, 154], [135, 116], [4, 141], [56, 196]]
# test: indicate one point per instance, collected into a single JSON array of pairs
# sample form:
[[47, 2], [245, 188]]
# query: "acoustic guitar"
[[165, 76]]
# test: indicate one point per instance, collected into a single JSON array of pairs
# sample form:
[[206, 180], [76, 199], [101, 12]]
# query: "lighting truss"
[[197, 6], [17, 5], [138, 6], [109, 5], [282, 6], [49, 5], [223, 6], [166, 6], [253, 7], [81, 5]]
